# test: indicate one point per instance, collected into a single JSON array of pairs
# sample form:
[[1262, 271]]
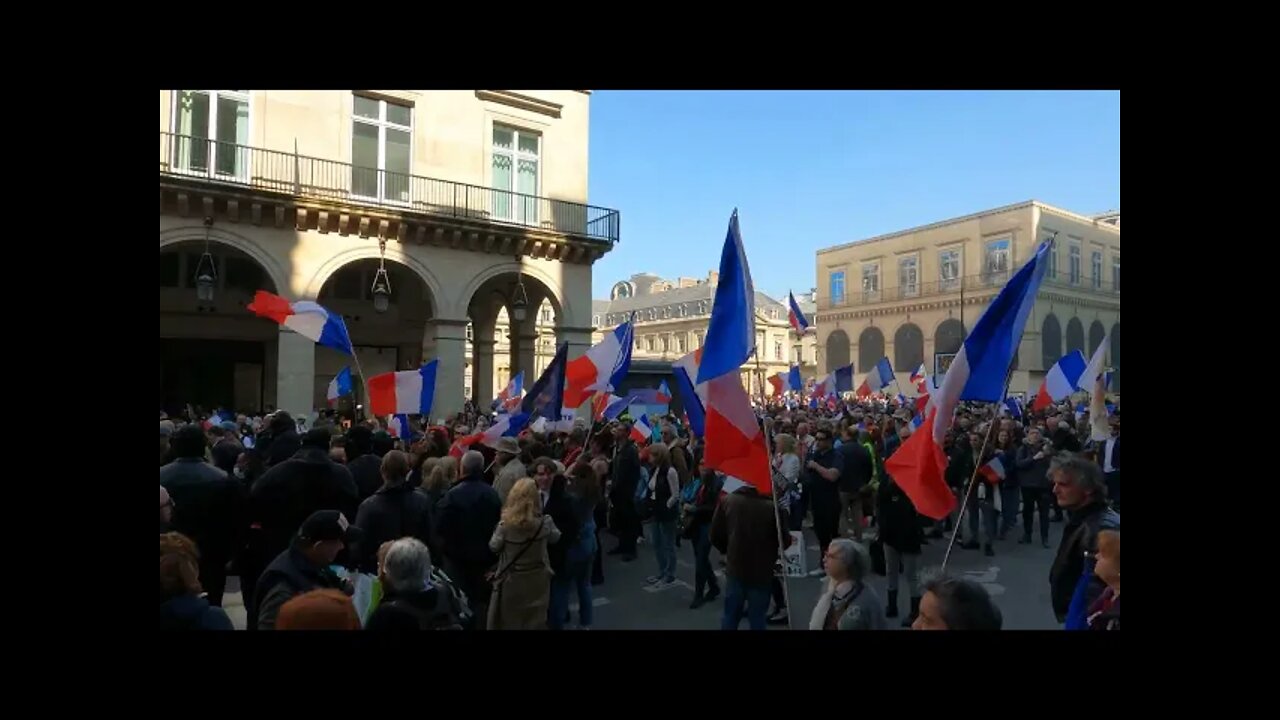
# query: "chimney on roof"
[[685, 282], [713, 277]]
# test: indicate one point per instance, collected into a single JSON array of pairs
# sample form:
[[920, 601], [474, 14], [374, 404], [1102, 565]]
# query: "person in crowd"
[[902, 537], [226, 446], [182, 602], [574, 446], [383, 443], [469, 514], [951, 603], [821, 485], [582, 490], [890, 438], [166, 511], [522, 582], [282, 441], [745, 530], [681, 458], [291, 491], [338, 454], [600, 466], [208, 507], [411, 600], [509, 468], [857, 469], [166, 432], [625, 522], [1109, 459], [441, 476], [323, 609], [701, 511], [1081, 491], [364, 464], [394, 511], [555, 503], [422, 464], [960, 465], [663, 499], [847, 602], [305, 565], [1104, 613], [982, 504], [1061, 438], [1032, 466], [786, 468], [1009, 489]]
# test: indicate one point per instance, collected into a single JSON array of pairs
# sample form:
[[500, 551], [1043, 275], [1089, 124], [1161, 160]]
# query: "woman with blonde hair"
[[664, 500], [522, 582]]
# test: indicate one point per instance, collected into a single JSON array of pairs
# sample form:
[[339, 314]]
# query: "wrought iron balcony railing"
[[969, 283], [303, 176]]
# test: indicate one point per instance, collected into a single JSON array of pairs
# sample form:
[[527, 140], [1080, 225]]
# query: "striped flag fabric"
[[410, 392], [795, 315], [994, 471], [1061, 380], [340, 385]]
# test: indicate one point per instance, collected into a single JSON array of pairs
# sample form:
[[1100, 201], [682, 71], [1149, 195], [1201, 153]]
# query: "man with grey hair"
[[847, 602], [411, 600], [1081, 490], [468, 515], [951, 603]]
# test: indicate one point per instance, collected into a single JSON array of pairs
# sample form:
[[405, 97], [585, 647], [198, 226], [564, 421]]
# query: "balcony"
[[986, 282], [300, 176]]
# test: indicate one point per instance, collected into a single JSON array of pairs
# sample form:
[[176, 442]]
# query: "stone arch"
[[1050, 342], [552, 289], [1097, 333], [837, 350], [337, 261], [948, 337], [908, 348], [870, 348], [1075, 335], [196, 233]]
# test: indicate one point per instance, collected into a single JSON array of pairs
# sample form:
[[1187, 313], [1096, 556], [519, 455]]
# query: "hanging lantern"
[[206, 270], [519, 301], [381, 281]]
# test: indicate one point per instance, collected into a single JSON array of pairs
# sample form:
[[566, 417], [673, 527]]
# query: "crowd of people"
[[505, 537]]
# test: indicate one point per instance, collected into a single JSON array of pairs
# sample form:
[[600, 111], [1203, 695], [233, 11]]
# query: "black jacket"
[[282, 447], [192, 612], [288, 493], [897, 518], [208, 507], [960, 464], [225, 454], [857, 469], [390, 514], [469, 512], [433, 498], [366, 470], [705, 502], [430, 609], [1032, 473], [290, 574], [1064, 439], [626, 473], [1079, 536], [560, 508]]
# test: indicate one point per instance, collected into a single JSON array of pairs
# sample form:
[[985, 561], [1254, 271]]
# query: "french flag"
[[993, 471], [918, 377], [844, 379], [602, 403], [917, 421], [304, 317], [1061, 380], [546, 397], [640, 430], [664, 394], [1012, 407], [409, 392], [510, 395], [735, 444], [340, 385], [824, 387], [978, 372], [693, 395], [506, 426], [794, 383], [602, 368], [880, 377], [779, 383], [798, 323], [399, 427]]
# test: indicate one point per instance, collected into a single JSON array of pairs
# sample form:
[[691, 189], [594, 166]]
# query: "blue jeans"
[[738, 596], [1010, 498], [703, 575], [576, 575], [663, 536]]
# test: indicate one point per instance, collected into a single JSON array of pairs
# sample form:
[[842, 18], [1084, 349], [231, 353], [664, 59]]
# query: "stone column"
[[448, 337], [295, 374], [579, 339], [482, 369]]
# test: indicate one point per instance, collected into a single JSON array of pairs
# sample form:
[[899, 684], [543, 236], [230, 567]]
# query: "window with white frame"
[[516, 163], [648, 343], [546, 314], [1115, 273], [1052, 271], [871, 281], [837, 287], [909, 276], [702, 307], [996, 261], [211, 129], [666, 342], [595, 321], [680, 343], [1073, 257], [697, 341], [949, 269], [381, 147], [777, 349], [1095, 262]]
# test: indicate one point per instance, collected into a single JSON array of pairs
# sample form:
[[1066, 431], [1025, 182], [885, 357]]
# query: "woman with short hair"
[[182, 602], [847, 601]]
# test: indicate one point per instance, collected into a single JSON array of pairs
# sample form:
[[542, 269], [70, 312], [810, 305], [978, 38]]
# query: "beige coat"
[[521, 596], [507, 477]]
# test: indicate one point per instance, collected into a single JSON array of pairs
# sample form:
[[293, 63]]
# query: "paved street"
[[1017, 577]]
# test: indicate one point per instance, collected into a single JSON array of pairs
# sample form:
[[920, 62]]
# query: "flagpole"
[[364, 384], [777, 511]]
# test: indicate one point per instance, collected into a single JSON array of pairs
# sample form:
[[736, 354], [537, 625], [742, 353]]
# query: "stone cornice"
[[523, 102], [1101, 302]]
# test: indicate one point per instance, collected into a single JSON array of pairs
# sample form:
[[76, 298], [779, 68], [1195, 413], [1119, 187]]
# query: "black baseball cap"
[[329, 525]]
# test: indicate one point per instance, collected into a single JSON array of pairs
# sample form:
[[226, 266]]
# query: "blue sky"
[[811, 169]]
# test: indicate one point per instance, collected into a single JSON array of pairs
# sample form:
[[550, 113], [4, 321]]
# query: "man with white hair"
[[411, 601], [468, 515]]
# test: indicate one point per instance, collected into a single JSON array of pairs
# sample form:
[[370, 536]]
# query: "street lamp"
[[519, 300], [206, 269], [381, 281]]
